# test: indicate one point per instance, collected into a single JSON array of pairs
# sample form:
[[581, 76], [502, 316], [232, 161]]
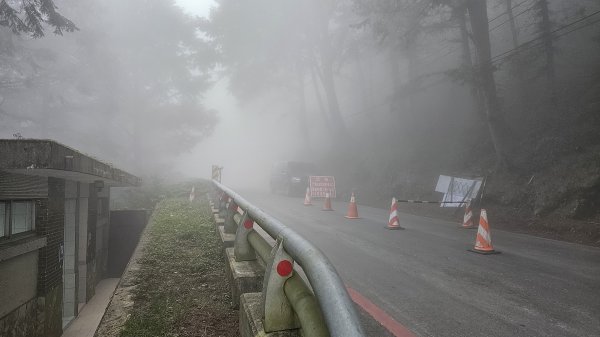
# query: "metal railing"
[[329, 311]]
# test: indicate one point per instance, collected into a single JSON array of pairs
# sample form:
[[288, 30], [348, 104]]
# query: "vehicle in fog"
[[291, 177]]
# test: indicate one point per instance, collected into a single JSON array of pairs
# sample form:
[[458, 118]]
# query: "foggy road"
[[388, 97], [425, 278]]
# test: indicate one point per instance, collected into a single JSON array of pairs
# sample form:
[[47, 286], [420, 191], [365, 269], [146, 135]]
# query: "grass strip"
[[182, 289]]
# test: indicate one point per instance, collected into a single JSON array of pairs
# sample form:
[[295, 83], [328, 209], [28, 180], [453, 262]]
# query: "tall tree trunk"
[[517, 62], [411, 55], [395, 74], [323, 12], [546, 30], [467, 61], [319, 98], [328, 82], [366, 97], [511, 22], [301, 113], [496, 123]]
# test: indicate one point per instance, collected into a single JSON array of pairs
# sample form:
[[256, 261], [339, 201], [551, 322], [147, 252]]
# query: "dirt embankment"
[[559, 201], [552, 189]]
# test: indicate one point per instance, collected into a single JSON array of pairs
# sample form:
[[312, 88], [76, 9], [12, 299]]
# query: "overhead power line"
[[514, 17], [528, 44], [505, 12], [502, 56], [436, 56], [541, 43], [525, 46]]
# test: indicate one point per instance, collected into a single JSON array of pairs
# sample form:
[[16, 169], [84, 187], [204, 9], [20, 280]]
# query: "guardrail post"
[[223, 205], [216, 172], [214, 196], [230, 226], [278, 312], [242, 249]]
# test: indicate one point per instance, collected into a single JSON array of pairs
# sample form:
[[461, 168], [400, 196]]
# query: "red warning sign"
[[321, 185]]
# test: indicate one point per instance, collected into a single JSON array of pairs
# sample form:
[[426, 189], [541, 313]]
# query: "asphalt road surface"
[[426, 280]]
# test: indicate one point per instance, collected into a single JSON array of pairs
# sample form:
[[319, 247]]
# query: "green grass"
[[181, 287]]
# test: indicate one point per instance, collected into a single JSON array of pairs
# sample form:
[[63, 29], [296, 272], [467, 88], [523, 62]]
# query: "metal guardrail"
[[330, 294], [429, 202]]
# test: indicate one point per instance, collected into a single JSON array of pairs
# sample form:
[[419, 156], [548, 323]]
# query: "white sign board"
[[321, 185], [457, 189]]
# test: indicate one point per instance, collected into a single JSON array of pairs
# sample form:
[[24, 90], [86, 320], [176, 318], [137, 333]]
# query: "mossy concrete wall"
[[51, 312], [25, 321]]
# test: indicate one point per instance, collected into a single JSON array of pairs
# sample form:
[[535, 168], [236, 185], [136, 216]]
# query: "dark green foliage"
[[136, 68], [9, 18], [32, 17]]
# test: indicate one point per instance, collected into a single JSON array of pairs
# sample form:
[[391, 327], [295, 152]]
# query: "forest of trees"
[[386, 94], [123, 81], [400, 91]]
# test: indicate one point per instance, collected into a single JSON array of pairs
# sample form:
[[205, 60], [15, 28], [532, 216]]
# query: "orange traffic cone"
[[393, 222], [307, 201], [352, 210], [468, 218], [483, 242], [327, 204]]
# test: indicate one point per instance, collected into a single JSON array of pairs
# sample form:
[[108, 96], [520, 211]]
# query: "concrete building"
[[54, 232]]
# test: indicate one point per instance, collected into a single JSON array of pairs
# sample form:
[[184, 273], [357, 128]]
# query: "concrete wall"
[[74, 219], [19, 307], [46, 155], [102, 233], [21, 286], [50, 283], [97, 234], [83, 242], [20, 186], [70, 270], [52, 227], [126, 227], [21, 277], [70, 240], [21, 322], [33, 279], [92, 222]]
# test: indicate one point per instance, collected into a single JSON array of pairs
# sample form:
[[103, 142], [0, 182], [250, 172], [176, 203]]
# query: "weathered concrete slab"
[[20, 247], [251, 324], [218, 220], [226, 239], [47, 158], [244, 276]]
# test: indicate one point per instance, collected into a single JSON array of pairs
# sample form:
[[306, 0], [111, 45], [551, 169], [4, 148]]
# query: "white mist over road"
[[244, 142]]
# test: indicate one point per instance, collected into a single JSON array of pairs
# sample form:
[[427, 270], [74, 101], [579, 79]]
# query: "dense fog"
[[383, 94]]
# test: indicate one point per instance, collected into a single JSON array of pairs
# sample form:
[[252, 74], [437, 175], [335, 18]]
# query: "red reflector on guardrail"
[[284, 268]]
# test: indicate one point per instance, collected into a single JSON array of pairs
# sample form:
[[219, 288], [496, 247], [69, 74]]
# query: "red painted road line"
[[379, 315]]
